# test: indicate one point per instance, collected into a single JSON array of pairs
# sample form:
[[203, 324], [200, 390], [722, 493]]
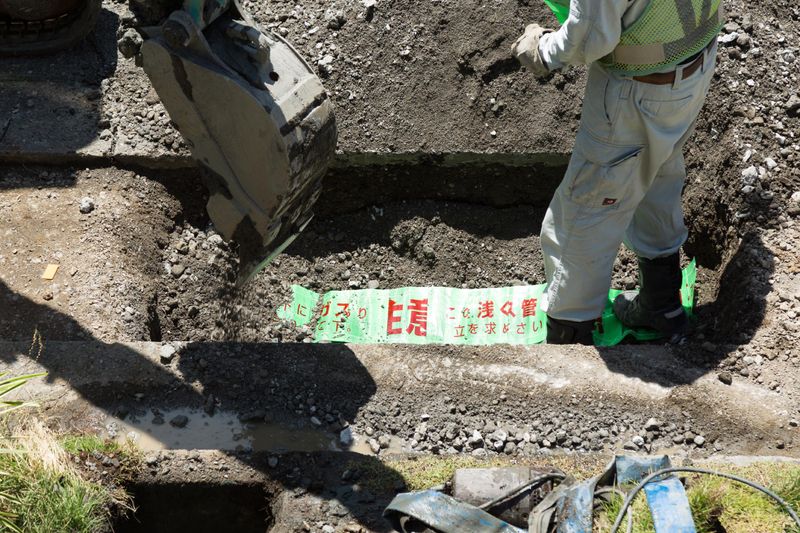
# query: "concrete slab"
[[604, 398]]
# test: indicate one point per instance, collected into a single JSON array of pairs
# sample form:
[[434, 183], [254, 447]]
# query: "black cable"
[[621, 494], [529, 485], [651, 477]]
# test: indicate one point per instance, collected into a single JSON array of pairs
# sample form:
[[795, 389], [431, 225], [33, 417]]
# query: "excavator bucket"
[[255, 116]]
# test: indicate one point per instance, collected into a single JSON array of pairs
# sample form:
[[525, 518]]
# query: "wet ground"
[[193, 429]]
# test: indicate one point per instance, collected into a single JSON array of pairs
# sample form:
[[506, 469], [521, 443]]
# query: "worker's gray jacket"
[[591, 32]]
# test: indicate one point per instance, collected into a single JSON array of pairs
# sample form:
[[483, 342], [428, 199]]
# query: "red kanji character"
[[419, 317], [286, 307], [520, 329], [491, 328], [465, 313], [486, 309], [362, 313], [345, 310], [451, 310], [508, 309], [459, 331], [326, 308], [339, 325], [301, 309], [473, 329], [529, 307], [394, 310], [505, 328]]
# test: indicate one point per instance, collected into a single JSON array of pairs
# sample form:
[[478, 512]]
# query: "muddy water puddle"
[[188, 429]]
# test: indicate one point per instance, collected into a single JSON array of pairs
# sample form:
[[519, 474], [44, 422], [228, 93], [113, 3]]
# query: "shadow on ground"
[[738, 310], [721, 326], [53, 103], [356, 186], [239, 378]]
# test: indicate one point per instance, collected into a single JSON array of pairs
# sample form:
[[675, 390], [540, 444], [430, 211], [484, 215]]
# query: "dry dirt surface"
[[395, 67]]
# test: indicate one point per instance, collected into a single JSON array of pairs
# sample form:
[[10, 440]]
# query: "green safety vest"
[[667, 33]]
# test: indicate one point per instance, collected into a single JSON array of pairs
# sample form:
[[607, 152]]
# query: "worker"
[[650, 67]]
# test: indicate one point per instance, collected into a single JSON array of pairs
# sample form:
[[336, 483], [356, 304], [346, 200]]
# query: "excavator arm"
[[255, 116], [253, 112]]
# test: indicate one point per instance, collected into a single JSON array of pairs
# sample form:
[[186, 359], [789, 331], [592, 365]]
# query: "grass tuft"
[[720, 505], [77, 444], [10, 384], [431, 471], [420, 473], [41, 492]]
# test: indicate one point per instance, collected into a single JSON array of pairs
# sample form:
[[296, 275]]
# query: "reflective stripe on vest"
[[667, 32]]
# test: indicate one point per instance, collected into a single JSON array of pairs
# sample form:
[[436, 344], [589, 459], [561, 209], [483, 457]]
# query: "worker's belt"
[[668, 78]]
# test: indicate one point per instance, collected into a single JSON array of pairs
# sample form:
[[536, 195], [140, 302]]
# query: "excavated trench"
[[432, 223], [429, 224], [446, 222], [197, 507]]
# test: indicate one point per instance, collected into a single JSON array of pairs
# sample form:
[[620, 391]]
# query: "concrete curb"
[[631, 382]]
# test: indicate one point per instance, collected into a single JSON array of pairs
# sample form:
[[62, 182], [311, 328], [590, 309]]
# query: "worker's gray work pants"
[[624, 182]]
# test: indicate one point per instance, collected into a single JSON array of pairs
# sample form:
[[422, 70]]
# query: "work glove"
[[526, 50]]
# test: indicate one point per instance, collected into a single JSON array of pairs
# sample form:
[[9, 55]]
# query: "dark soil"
[[419, 243], [393, 70]]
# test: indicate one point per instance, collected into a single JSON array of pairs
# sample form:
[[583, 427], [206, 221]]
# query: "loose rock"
[[179, 421], [725, 377], [86, 205], [167, 352]]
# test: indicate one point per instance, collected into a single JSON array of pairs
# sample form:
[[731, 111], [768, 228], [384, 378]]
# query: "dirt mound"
[[402, 244], [438, 78]]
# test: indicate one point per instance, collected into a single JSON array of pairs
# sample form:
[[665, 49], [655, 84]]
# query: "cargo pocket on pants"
[[605, 183]]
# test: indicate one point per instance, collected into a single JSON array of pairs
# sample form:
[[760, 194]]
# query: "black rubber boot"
[[566, 332], [657, 305]]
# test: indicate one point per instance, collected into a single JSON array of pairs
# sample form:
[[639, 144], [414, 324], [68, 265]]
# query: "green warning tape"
[[439, 315], [560, 8]]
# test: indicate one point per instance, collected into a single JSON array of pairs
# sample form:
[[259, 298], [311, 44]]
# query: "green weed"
[[77, 444], [722, 505], [40, 491]]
